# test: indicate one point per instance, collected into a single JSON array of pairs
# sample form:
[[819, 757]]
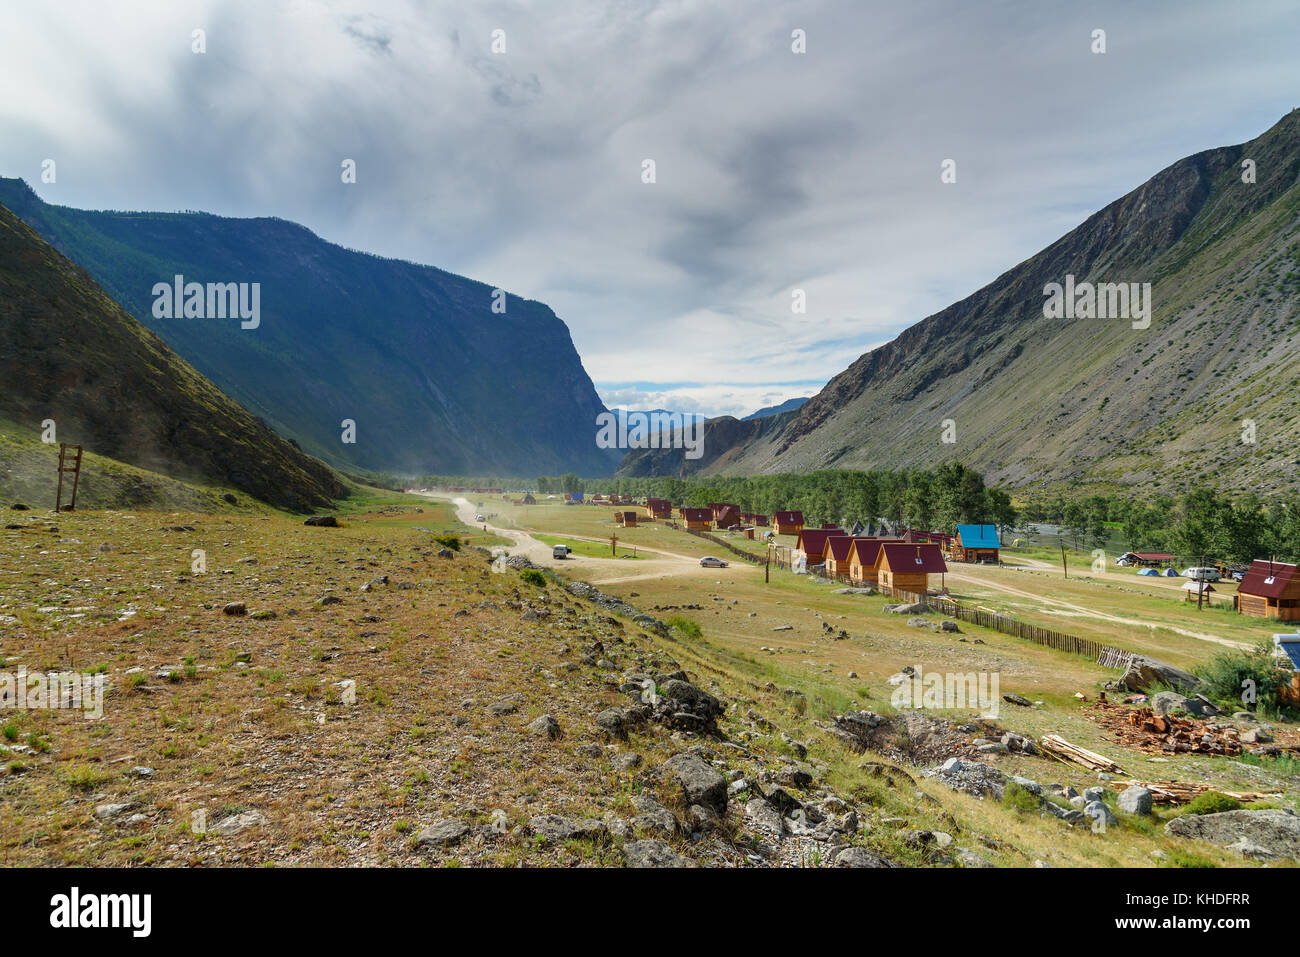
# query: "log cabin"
[[1270, 590], [908, 567], [700, 519], [787, 523], [976, 543], [659, 508], [835, 555]]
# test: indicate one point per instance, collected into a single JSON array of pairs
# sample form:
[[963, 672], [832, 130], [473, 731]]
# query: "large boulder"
[[651, 853], [1135, 800], [1171, 702], [1276, 830], [1143, 672], [701, 782]]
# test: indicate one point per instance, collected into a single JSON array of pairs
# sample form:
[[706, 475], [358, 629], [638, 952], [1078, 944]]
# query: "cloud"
[[775, 171]]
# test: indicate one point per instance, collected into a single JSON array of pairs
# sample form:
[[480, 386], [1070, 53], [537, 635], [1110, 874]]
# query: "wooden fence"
[[1104, 655]]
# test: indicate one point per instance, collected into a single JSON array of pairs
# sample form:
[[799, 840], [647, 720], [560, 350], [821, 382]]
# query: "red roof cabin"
[[908, 567], [659, 508], [787, 523], [1270, 590], [700, 519]]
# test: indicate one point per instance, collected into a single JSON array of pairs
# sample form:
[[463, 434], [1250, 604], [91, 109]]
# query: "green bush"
[[1224, 674], [533, 577], [1212, 802], [448, 541], [687, 626], [1020, 798]]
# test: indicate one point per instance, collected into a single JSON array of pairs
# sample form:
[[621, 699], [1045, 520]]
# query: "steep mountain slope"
[[433, 379], [1035, 399], [71, 354]]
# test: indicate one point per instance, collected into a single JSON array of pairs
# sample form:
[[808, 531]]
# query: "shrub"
[[1224, 674], [1019, 798], [448, 541], [533, 577], [1211, 802], [687, 626]]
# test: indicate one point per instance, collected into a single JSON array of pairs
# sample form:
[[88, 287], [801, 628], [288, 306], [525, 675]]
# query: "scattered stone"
[[235, 608], [701, 782], [545, 726], [652, 816], [442, 834], [1135, 800], [553, 829], [653, 854], [860, 857], [236, 823]]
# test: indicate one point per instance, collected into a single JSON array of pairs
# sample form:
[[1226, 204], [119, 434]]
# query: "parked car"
[[1237, 575], [479, 518], [711, 562], [560, 551], [1200, 574]]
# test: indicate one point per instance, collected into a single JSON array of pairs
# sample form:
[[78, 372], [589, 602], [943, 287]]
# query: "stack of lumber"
[[1058, 747], [1174, 792]]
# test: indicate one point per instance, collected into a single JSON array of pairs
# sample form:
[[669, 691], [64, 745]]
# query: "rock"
[[1093, 794], [1016, 699], [949, 624], [968, 858], [236, 823], [1255, 736], [867, 590], [1276, 831], [323, 521], [20, 507], [1169, 702], [554, 829], [1097, 811], [860, 857], [235, 608], [761, 814], [545, 726], [1135, 800], [1143, 672], [918, 622], [503, 706], [1252, 851], [653, 816], [703, 818], [701, 782], [613, 722], [442, 834], [653, 854], [913, 609], [446, 553], [627, 762], [106, 812], [794, 776], [229, 499]]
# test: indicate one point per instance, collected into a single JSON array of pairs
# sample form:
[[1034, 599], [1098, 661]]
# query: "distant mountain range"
[[431, 378], [71, 356], [789, 405], [1020, 384]]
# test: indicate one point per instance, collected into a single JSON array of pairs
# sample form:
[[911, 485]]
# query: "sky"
[[518, 157]]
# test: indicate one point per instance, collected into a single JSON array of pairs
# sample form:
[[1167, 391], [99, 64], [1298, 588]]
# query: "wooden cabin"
[[1270, 590], [625, 518], [835, 555], [753, 518], [726, 515], [811, 543], [976, 543], [861, 563], [787, 523], [697, 518], [908, 566], [659, 508]]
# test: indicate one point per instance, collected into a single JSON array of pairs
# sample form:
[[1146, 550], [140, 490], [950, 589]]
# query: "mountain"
[[69, 353], [789, 405], [433, 379], [1034, 399]]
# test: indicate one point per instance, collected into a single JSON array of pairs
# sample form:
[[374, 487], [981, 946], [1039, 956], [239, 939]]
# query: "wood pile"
[[1059, 748], [1153, 733], [1175, 792]]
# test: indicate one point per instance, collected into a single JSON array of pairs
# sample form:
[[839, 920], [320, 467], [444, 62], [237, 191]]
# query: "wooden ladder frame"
[[68, 463]]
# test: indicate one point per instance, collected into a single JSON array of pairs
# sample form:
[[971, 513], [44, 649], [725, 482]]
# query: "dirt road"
[[597, 571]]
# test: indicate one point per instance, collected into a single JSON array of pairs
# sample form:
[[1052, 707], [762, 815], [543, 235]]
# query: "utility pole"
[[1065, 568], [1200, 591], [613, 544], [767, 566]]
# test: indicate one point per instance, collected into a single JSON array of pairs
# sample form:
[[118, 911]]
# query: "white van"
[[1202, 574]]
